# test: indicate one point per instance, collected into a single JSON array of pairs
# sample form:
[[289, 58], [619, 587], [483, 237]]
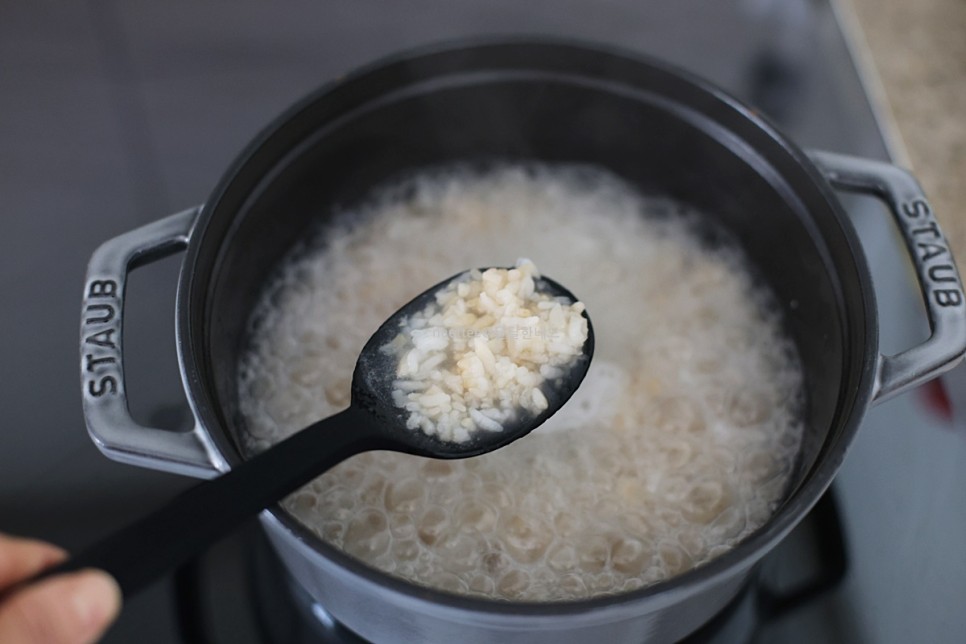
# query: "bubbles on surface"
[[629, 556], [677, 446], [405, 495], [513, 584], [431, 525], [366, 536]]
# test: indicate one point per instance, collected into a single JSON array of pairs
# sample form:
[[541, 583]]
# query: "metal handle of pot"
[[942, 290], [109, 420]]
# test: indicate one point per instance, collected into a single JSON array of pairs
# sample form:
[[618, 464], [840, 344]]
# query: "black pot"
[[658, 128]]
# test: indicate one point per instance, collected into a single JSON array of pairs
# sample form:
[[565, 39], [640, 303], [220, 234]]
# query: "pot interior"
[[552, 103]]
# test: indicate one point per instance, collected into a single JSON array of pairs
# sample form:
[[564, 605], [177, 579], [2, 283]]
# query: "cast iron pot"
[[657, 127]]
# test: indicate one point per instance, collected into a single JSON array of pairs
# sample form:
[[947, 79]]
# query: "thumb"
[[75, 608]]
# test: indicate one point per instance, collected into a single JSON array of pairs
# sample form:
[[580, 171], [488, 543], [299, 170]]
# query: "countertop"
[[918, 50]]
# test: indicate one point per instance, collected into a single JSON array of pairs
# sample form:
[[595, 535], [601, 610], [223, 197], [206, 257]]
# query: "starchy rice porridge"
[[678, 445]]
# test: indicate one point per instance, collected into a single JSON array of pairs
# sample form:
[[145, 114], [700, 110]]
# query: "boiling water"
[[677, 446]]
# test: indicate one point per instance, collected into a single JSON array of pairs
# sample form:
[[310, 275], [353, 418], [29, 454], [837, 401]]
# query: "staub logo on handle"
[[102, 335], [933, 252]]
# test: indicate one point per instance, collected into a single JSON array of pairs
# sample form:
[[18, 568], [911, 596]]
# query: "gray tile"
[[47, 38], [209, 79], [199, 123], [328, 38], [66, 184], [61, 160]]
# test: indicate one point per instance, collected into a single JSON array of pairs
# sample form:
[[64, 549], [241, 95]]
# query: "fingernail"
[[96, 598]]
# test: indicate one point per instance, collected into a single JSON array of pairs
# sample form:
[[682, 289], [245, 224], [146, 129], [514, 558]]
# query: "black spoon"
[[143, 551]]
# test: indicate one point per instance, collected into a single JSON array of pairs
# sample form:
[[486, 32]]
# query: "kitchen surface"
[[114, 114], [919, 53]]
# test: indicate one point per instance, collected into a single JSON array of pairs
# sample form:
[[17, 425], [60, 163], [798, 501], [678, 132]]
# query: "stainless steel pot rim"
[[851, 407]]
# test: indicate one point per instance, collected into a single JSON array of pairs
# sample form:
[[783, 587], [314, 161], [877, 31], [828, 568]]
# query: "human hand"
[[73, 608]]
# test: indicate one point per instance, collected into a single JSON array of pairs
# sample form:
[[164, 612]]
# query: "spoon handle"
[[143, 551]]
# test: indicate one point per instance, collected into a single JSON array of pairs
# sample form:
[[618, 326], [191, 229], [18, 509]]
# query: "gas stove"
[[119, 113]]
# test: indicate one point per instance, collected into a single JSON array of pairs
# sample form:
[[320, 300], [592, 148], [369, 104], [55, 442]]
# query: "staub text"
[[933, 252], [102, 331]]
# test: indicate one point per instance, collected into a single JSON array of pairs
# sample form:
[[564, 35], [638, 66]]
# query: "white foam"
[[596, 400], [677, 446]]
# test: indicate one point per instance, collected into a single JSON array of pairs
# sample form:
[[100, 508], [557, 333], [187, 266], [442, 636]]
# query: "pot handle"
[[942, 290], [109, 421]]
